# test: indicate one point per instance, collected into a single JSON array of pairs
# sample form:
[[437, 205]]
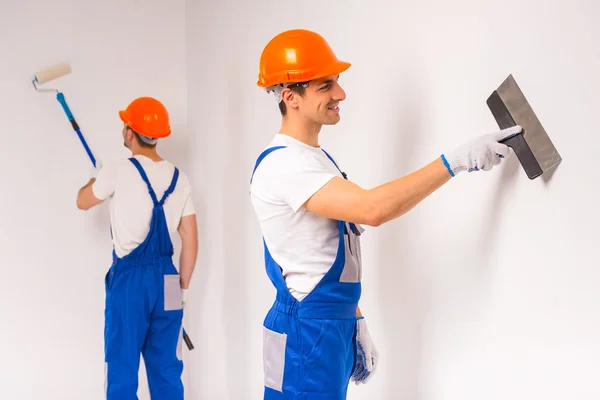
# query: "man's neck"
[[304, 131], [150, 153]]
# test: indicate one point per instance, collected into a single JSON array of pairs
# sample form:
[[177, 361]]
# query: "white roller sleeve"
[[52, 73]]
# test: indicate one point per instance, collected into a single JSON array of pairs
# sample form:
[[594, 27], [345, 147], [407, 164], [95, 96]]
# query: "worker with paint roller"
[[151, 200], [145, 295], [316, 340]]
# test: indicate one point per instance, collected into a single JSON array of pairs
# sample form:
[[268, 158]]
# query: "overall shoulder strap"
[[171, 187], [262, 157], [334, 163], [137, 164]]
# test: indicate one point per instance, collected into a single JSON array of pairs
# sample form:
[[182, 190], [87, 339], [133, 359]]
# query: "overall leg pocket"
[[328, 363], [274, 345], [109, 278], [106, 280], [172, 293], [314, 335]]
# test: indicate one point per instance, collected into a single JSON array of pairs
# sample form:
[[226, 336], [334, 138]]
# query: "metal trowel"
[[533, 147]]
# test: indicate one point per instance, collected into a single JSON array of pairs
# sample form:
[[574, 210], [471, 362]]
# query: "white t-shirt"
[[302, 243], [131, 204]]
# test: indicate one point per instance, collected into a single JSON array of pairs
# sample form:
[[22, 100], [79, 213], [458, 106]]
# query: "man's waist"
[[316, 309], [141, 260]]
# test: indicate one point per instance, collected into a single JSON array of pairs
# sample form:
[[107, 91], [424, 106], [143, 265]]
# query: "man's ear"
[[290, 98]]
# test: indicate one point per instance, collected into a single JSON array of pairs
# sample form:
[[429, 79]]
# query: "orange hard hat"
[[297, 55], [147, 116]]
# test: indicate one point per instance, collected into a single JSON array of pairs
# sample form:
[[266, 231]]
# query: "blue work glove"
[[482, 153], [366, 354]]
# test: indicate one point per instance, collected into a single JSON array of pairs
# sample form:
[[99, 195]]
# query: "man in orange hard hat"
[[315, 338], [151, 200]]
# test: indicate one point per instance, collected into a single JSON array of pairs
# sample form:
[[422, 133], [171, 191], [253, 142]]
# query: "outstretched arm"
[[343, 200]]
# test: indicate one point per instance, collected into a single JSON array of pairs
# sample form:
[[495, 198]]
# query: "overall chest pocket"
[[352, 272]]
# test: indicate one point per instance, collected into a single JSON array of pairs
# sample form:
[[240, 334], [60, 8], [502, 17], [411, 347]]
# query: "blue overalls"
[[144, 313], [309, 346]]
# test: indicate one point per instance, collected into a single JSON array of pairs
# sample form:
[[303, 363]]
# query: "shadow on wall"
[[402, 291], [235, 186], [509, 171], [178, 150], [547, 176], [100, 215]]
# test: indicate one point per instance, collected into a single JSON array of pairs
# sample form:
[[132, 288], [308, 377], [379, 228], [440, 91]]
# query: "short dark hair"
[[299, 88]]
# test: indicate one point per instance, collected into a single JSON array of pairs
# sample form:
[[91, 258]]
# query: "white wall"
[[492, 297], [488, 289], [55, 256]]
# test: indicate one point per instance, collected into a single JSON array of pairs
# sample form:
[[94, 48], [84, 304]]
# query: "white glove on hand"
[[483, 153], [183, 297], [366, 354], [94, 170]]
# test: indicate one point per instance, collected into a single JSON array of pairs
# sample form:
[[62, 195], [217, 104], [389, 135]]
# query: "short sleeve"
[[188, 208], [188, 201], [106, 181], [294, 176]]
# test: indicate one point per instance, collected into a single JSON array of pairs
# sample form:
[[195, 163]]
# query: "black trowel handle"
[[524, 154], [188, 341]]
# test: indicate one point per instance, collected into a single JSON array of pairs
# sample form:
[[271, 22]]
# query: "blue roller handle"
[[61, 99]]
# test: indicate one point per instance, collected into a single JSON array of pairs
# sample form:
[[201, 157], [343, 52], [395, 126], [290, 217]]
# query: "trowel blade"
[[533, 147]]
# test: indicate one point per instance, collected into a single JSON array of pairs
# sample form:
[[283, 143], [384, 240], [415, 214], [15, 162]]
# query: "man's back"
[[131, 204]]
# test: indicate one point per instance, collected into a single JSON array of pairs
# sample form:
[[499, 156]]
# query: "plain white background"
[[487, 289]]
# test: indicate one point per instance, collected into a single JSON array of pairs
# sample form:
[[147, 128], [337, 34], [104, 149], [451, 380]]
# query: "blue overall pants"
[[309, 346], [143, 313]]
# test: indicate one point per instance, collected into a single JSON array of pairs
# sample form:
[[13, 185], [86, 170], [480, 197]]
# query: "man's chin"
[[331, 119]]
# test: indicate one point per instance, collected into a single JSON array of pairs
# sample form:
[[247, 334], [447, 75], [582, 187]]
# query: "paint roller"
[[533, 146], [56, 72], [50, 74]]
